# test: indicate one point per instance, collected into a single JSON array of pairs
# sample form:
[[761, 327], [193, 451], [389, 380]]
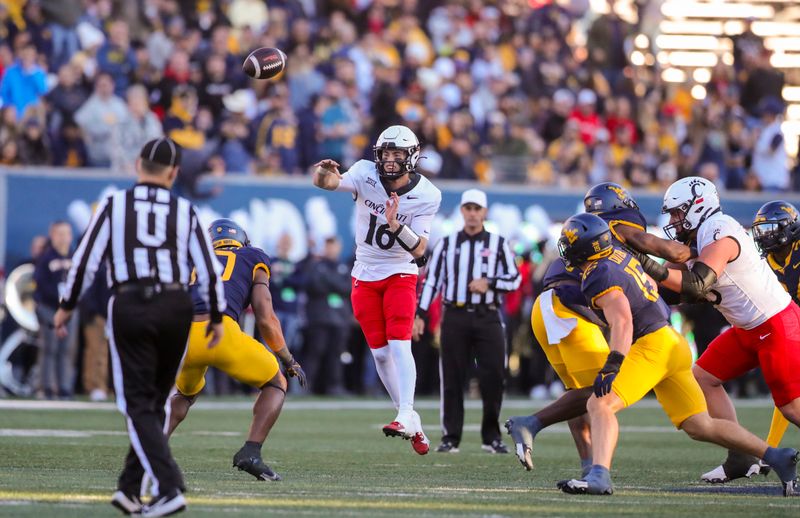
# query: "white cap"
[[586, 96], [475, 196]]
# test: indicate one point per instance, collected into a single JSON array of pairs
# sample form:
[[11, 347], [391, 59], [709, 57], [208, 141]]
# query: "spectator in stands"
[[276, 139], [236, 132], [136, 129], [214, 86], [23, 82], [62, 17], [9, 153], [606, 44], [56, 356], [769, 155], [116, 57], [69, 149], [98, 118], [585, 114], [66, 97], [34, 146]]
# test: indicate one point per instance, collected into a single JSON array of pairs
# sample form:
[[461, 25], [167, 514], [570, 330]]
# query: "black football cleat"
[[254, 465]]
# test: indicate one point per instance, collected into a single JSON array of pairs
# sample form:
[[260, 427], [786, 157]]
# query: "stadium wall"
[[271, 206]]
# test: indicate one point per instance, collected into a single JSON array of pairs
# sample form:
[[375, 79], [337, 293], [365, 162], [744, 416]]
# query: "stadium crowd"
[[498, 91]]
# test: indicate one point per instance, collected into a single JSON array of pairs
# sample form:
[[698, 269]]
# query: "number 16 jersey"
[[378, 254]]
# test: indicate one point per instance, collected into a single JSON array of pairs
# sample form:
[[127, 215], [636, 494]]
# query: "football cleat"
[[496, 446], [395, 429], [784, 462], [737, 465], [447, 447], [584, 487], [420, 443], [523, 440], [128, 504], [791, 488], [254, 465]]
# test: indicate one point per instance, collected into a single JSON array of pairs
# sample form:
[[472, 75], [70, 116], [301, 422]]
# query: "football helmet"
[[607, 196], [775, 226], [584, 237], [226, 233], [397, 137], [696, 199]]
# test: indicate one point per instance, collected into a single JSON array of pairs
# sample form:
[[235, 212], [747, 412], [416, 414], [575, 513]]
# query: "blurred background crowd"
[[516, 91], [506, 91]]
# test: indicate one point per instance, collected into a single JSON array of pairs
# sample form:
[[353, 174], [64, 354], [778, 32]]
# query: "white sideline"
[[331, 404]]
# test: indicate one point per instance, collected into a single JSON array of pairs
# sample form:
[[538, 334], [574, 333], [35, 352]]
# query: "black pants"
[[147, 344], [324, 345], [472, 338]]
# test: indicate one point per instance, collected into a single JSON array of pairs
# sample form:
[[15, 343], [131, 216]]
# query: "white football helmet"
[[696, 198], [397, 137]]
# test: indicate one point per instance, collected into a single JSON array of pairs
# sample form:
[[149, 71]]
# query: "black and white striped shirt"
[[146, 234], [459, 258]]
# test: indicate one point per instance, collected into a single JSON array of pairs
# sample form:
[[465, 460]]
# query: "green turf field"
[[336, 462]]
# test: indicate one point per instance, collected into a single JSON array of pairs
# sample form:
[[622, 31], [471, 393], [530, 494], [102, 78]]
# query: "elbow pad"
[[695, 283]]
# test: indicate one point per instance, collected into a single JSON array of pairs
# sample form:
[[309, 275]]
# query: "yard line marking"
[[331, 405], [433, 505]]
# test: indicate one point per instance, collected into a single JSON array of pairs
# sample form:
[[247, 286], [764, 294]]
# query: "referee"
[[471, 268], [150, 241]]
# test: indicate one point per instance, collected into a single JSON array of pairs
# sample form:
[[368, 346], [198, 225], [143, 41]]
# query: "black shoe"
[[170, 503], [253, 464], [497, 446], [447, 447], [128, 504]]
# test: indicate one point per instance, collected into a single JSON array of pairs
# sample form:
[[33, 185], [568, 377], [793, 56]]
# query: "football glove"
[[605, 378], [294, 370]]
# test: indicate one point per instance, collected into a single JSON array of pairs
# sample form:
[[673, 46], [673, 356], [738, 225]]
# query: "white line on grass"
[[331, 404]]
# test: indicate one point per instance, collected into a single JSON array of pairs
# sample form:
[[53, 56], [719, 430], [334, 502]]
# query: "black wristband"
[[613, 362], [216, 317]]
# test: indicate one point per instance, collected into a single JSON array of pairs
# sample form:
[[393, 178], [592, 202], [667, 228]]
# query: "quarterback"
[[730, 274], [645, 353], [395, 207]]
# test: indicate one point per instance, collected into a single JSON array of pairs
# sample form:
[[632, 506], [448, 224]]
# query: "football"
[[264, 63]]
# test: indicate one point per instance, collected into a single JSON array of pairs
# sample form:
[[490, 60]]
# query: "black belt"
[[148, 289], [471, 307]]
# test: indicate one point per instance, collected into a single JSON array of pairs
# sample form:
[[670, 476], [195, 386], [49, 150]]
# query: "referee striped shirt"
[[459, 258], [146, 235]]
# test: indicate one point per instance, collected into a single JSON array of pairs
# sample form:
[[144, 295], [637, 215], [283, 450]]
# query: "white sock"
[[387, 372], [406, 373]]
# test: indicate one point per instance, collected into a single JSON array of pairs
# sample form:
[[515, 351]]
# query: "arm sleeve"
[[435, 276], [508, 278], [88, 256], [209, 271]]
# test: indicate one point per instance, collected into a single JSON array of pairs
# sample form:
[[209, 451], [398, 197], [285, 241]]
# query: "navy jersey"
[[566, 282], [788, 273], [621, 271], [628, 217], [239, 269]]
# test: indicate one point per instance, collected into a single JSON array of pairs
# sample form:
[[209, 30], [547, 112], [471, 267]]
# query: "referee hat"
[[163, 151]]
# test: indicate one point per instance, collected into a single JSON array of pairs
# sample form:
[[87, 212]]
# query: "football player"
[[395, 207], [646, 353], [776, 231], [246, 281], [730, 273], [567, 328]]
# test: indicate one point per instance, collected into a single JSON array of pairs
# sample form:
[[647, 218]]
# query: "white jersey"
[[747, 293], [378, 255]]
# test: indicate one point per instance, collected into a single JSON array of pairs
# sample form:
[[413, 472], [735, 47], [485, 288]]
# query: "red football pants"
[[774, 346], [385, 309]]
